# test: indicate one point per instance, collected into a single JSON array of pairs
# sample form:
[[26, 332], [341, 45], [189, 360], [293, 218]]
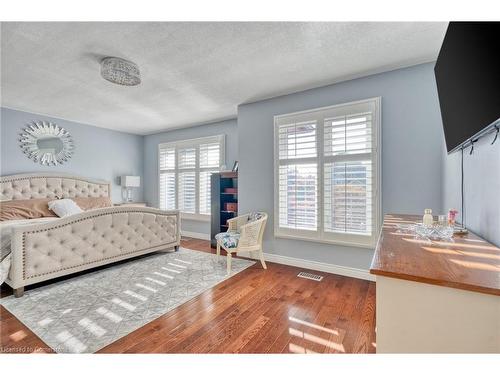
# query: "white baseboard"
[[297, 262], [200, 236], [319, 266]]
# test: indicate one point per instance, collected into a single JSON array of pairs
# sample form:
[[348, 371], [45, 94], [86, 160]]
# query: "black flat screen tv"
[[467, 74]]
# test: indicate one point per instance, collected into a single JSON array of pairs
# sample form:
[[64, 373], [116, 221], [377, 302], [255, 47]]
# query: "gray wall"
[[99, 153], [481, 187], [412, 147], [229, 128]]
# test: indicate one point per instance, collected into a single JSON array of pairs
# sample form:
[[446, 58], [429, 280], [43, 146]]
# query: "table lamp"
[[129, 182]]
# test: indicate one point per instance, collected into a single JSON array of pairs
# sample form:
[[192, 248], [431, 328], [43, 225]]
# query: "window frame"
[[195, 143], [319, 235]]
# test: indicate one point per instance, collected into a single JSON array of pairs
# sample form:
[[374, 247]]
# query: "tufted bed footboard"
[[90, 239]]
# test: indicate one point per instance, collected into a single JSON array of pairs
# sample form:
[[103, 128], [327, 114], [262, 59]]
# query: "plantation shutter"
[[187, 179], [184, 173], [205, 206], [348, 177], [210, 155], [187, 192], [210, 161], [187, 158], [297, 179], [167, 178], [326, 173]]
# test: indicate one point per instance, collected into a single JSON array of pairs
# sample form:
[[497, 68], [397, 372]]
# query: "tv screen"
[[468, 80]]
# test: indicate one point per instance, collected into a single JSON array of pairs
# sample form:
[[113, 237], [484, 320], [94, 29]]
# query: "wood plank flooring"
[[255, 311]]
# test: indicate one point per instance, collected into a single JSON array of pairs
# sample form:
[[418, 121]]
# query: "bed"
[[36, 250]]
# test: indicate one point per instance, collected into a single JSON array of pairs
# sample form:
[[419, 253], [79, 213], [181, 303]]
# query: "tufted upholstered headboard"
[[51, 185]]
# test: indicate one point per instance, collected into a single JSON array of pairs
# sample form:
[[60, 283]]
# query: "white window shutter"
[[298, 203], [327, 163], [348, 197], [210, 161], [167, 178], [187, 192], [205, 206], [167, 158], [187, 158], [184, 173], [298, 180], [210, 155], [348, 135], [297, 140], [348, 190], [167, 191]]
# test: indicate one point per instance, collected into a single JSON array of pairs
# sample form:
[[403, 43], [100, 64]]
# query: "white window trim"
[[319, 236], [195, 142]]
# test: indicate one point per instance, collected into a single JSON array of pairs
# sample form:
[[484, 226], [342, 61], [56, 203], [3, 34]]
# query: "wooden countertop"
[[468, 262]]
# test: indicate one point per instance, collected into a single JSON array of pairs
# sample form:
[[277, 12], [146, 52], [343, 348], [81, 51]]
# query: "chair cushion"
[[228, 239]]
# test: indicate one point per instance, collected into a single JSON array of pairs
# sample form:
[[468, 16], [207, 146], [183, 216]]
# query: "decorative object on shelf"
[[427, 232], [231, 207], [442, 220], [427, 218], [235, 166], [120, 71], [434, 232], [129, 182], [458, 229], [452, 215], [231, 190], [46, 143]]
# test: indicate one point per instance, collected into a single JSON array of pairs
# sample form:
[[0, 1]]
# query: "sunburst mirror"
[[46, 143]]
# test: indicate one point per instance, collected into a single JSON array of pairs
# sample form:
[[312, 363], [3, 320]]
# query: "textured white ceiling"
[[193, 72]]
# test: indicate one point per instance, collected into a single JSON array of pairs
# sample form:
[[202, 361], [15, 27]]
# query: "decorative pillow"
[[64, 207], [254, 216], [25, 209], [93, 203]]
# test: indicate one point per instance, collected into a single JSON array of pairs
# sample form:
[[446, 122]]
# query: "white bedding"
[[5, 234]]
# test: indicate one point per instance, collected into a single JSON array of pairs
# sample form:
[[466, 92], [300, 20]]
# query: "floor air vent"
[[310, 276]]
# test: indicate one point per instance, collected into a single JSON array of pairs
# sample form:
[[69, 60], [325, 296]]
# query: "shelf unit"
[[219, 198]]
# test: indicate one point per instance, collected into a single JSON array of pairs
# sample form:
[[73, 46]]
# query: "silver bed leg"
[[176, 247], [19, 292]]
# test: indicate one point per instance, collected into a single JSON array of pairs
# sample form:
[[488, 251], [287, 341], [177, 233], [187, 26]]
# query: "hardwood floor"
[[255, 311]]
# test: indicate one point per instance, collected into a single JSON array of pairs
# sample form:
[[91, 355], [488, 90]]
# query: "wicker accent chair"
[[245, 233]]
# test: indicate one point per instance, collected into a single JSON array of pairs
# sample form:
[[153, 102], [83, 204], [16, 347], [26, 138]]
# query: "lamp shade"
[[130, 181]]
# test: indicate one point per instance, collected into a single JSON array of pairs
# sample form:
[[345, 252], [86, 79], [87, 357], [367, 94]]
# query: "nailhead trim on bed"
[[95, 261], [109, 211], [49, 185]]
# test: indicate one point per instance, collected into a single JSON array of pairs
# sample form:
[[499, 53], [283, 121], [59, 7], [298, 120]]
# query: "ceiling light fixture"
[[120, 71]]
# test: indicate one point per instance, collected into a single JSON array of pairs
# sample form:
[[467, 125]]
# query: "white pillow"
[[64, 207]]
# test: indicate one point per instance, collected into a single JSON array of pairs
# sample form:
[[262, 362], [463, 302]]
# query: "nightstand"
[[131, 204]]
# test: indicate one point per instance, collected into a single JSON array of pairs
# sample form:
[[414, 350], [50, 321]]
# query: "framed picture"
[[235, 166]]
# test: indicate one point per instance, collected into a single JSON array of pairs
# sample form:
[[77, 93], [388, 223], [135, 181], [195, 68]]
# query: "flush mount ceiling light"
[[120, 71]]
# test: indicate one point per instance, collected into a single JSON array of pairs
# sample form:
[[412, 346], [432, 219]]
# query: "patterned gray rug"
[[85, 313]]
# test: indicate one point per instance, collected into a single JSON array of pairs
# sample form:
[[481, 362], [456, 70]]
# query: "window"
[[184, 175], [327, 174]]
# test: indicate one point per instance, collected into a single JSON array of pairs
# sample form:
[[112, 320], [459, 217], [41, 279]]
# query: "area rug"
[[86, 313]]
